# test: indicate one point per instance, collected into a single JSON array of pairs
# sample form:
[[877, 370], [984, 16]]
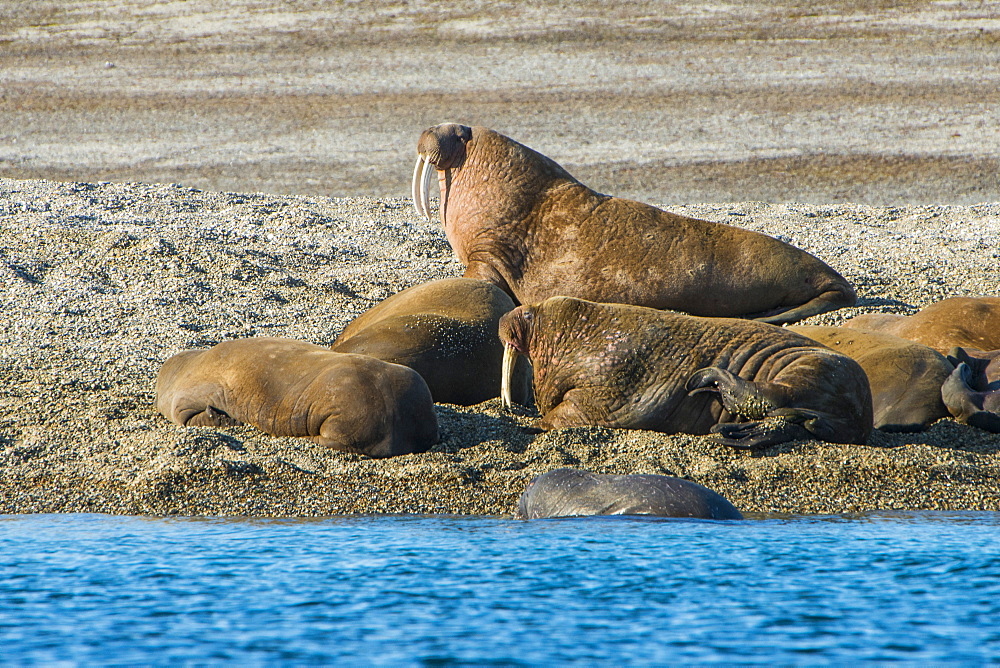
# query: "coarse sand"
[[103, 282]]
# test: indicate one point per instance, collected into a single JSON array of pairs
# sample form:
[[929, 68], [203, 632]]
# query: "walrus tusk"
[[425, 188], [509, 358], [415, 186], [421, 186]]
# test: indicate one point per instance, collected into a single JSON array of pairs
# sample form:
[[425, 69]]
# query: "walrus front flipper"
[[760, 403], [580, 407], [978, 409], [831, 300]]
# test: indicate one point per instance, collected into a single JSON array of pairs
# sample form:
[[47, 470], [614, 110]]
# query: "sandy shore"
[[691, 101], [103, 282]]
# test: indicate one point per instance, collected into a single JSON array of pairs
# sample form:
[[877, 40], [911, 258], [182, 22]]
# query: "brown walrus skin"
[[292, 388], [905, 377], [445, 330], [631, 367], [516, 218], [968, 322], [574, 493], [972, 392]]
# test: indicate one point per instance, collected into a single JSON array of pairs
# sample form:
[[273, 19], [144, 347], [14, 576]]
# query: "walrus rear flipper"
[[210, 417], [758, 434], [978, 409], [831, 300], [769, 419]]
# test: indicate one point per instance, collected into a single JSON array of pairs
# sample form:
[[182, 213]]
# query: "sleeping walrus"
[[445, 330], [969, 322], [632, 367], [575, 493], [905, 377], [516, 218], [292, 388]]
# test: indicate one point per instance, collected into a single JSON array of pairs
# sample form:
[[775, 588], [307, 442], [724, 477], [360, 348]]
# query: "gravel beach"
[[104, 281], [864, 133]]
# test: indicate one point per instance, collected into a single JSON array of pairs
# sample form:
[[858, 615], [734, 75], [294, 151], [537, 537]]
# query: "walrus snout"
[[515, 329], [439, 148]]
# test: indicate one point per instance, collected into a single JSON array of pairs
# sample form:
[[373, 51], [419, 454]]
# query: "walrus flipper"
[[768, 422], [570, 412], [758, 434], [738, 396], [210, 417], [831, 300], [978, 409]]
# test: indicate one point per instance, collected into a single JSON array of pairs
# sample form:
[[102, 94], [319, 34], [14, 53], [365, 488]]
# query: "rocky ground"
[[102, 282], [880, 117]]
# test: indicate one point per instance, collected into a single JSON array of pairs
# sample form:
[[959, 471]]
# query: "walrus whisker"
[[425, 187], [414, 192]]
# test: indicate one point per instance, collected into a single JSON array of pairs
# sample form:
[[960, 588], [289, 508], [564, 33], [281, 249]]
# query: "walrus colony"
[[526, 230]]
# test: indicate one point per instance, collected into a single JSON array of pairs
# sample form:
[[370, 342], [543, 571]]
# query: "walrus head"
[[515, 333], [505, 173], [441, 147]]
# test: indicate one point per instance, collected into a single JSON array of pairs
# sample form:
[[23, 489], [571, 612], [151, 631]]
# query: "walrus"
[[286, 387], [972, 391], [633, 367], [445, 330], [574, 493], [905, 377], [967, 322], [517, 219]]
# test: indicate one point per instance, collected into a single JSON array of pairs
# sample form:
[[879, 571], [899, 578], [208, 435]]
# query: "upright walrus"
[[574, 493], [516, 218], [445, 330], [968, 322], [292, 388], [632, 367]]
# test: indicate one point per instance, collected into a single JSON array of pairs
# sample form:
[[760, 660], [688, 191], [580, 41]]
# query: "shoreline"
[[104, 281]]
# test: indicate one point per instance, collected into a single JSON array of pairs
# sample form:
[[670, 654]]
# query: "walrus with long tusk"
[[968, 322], [748, 383], [569, 492], [286, 387], [516, 218], [446, 330]]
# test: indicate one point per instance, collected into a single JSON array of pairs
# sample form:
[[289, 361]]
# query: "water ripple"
[[916, 587]]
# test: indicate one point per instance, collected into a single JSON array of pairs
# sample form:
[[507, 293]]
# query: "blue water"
[[86, 589]]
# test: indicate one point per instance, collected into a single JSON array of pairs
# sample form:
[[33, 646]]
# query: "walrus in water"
[[446, 330], [905, 377], [575, 493], [517, 219], [968, 322], [632, 367], [972, 392], [292, 388]]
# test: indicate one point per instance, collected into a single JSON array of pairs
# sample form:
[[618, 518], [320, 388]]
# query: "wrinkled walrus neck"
[[478, 198]]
